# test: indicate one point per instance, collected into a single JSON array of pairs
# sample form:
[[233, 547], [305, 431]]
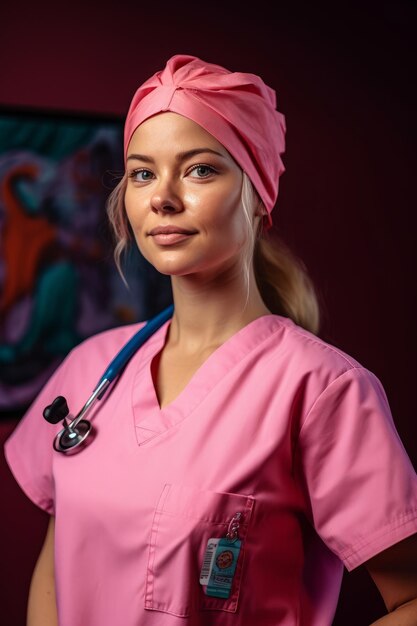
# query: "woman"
[[239, 462]]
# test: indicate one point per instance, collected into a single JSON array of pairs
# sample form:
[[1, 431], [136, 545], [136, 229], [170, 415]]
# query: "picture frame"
[[58, 280]]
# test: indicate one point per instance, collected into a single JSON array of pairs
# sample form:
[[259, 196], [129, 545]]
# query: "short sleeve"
[[359, 483], [29, 451]]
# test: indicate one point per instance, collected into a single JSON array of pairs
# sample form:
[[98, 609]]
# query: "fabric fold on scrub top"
[[276, 424]]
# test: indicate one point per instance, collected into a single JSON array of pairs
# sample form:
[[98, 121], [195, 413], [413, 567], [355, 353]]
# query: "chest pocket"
[[184, 520]]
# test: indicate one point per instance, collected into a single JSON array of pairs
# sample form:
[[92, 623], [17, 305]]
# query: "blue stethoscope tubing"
[[77, 430]]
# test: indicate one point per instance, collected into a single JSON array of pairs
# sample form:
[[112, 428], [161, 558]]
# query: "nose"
[[166, 198]]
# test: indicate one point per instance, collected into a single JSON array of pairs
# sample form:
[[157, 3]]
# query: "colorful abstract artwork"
[[58, 281]]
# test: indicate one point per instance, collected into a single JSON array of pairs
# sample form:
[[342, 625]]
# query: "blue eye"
[[141, 176], [202, 171]]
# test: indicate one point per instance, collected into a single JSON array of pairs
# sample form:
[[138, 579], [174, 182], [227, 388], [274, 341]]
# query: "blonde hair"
[[118, 221], [281, 277]]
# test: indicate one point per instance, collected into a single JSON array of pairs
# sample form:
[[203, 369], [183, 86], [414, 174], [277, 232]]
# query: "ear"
[[260, 210]]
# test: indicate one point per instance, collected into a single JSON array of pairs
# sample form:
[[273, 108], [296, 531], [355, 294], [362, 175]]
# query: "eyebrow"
[[181, 156]]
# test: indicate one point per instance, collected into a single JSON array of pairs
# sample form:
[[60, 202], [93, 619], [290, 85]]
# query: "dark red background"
[[345, 79]]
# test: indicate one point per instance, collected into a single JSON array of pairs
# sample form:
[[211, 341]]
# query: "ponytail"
[[284, 284], [281, 277]]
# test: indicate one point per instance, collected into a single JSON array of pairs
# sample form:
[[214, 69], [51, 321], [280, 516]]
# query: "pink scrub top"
[[276, 424]]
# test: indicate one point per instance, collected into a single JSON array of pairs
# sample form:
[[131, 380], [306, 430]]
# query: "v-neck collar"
[[150, 420]]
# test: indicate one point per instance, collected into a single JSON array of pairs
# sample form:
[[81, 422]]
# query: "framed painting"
[[58, 281]]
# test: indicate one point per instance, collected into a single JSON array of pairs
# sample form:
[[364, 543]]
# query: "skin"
[[42, 602], [202, 192]]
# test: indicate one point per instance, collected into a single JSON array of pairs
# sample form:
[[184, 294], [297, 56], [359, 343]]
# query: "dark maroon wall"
[[344, 80]]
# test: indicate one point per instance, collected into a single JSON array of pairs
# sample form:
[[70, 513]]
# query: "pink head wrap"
[[238, 109]]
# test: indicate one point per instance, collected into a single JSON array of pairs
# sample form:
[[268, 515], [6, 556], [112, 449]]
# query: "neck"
[[208, 311]]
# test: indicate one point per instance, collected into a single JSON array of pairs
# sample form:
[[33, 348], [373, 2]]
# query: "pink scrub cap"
[[238, 109]]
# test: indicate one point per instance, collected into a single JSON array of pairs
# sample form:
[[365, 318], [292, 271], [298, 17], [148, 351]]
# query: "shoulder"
[[305, 345], [331, 391], [308, 359], [89, 358], [106, 343]]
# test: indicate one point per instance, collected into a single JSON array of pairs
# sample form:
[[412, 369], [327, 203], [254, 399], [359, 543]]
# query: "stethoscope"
[[77, 430]]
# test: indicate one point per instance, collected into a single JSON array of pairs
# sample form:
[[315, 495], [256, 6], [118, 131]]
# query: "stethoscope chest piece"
[[69, 439], [74, 432]]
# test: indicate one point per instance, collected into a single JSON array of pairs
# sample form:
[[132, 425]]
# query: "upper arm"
[[46, 556], [394, 572], [41, 608]]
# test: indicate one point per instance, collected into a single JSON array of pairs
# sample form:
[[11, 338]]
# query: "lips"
[[170, 235], [170, 230]]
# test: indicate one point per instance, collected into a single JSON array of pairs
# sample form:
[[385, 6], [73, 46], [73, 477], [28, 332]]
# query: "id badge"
[[223, 569], [220, 561]]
